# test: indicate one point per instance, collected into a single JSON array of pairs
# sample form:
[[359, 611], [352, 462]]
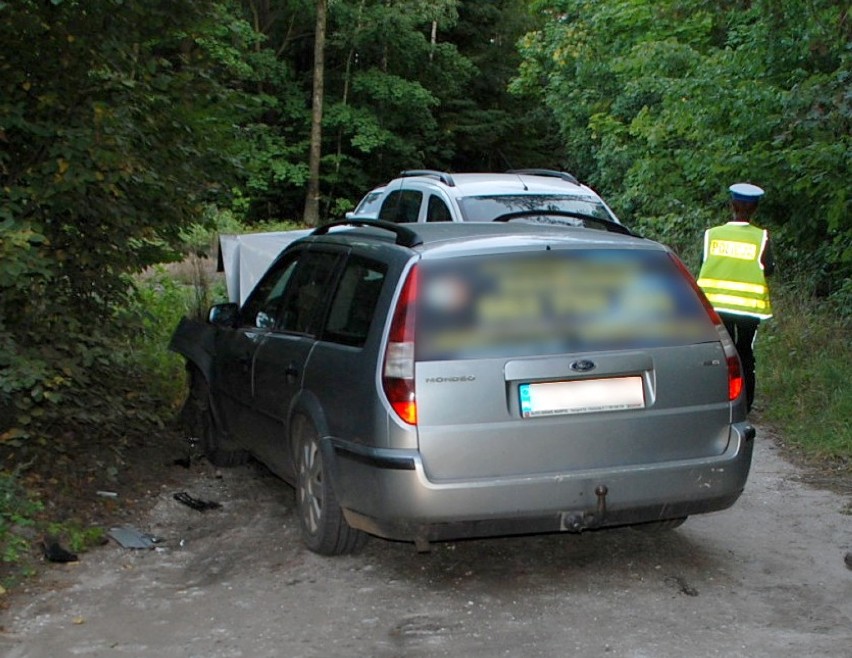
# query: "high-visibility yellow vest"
[[732, 274]]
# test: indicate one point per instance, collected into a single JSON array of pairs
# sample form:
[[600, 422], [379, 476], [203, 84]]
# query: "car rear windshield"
[[555, 302], [488, 208]]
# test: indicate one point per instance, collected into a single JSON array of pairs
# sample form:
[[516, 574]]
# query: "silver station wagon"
[[438, 381]]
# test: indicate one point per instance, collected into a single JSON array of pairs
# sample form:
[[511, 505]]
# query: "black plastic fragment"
[[53, 552], [196, 503]]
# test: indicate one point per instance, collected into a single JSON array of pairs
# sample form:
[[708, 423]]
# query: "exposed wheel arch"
[[199, 416]]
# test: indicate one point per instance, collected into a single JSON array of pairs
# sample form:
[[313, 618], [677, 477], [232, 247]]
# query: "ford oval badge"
[[583, 365]]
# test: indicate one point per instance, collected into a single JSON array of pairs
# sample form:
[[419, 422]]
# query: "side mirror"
[[223, 315]]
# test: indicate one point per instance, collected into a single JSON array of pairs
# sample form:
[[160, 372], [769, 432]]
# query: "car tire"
[[203, 425], [661, 526], [324, 529]]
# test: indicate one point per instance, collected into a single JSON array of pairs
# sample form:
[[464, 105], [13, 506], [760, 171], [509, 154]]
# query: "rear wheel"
[[202, 424], [324, 530], [661, 526]]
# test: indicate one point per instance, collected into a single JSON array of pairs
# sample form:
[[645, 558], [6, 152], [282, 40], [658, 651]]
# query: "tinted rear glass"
[[401, 206], [488, 208], [354, 302], [555, 302]]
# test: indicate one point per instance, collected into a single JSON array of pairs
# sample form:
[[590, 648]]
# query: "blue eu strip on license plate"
[[581, 396]]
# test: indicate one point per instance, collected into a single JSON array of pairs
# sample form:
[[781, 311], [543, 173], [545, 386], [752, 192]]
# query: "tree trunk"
[[311, 215], [347, 80]]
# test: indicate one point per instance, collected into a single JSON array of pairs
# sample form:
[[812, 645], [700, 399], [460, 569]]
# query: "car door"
[[437, 210], [402, 206], [280, 359], [341, 376], [236, 348]]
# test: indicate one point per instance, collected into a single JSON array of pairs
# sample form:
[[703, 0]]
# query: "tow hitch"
[[579, 521]]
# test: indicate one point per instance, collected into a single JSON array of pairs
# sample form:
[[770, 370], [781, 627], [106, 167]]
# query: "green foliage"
[[117, 129], [78, 537], [113, 126], [484, 126], [18, 512], [662, 105], [804, 364], [106, 384], [22, 520], [160, 302], [384, 92], [396, 98], [23, 523]]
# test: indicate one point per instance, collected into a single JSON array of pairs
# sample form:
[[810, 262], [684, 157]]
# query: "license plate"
[[582, 396]]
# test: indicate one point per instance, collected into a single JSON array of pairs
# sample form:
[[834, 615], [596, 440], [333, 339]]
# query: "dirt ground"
[[766, 578]]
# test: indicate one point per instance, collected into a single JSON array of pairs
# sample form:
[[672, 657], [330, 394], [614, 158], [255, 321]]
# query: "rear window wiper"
[[605, 224]]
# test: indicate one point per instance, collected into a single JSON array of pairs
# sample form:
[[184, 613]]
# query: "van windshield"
[[555, 302], [370, 204], [489, 207]]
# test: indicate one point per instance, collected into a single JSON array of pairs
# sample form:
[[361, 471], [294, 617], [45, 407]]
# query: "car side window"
[[307, 292], [262, 305], [402, 206], [437, 210], [354, 302]]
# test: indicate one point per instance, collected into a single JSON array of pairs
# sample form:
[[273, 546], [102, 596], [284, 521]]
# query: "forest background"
[[132, 130]]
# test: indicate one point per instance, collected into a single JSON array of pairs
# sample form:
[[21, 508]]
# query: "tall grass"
[[804, 369], [167, 293], [161, 301]]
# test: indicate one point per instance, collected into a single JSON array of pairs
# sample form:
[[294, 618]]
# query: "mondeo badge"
[[583, 365]]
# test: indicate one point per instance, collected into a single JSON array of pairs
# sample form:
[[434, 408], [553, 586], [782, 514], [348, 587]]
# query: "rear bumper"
[[388, 493]]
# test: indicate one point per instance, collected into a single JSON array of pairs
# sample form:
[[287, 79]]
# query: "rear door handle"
[[291, 373]]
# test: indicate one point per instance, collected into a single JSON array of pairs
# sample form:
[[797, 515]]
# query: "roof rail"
[[552, 173], [442, 176], [405, 237]]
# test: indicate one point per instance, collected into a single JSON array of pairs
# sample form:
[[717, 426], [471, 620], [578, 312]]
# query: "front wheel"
[[324, 530]]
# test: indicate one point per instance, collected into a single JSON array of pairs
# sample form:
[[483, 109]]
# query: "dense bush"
[[120, 387], [17, 512], [115, 129], [664, 104], [804, 365]]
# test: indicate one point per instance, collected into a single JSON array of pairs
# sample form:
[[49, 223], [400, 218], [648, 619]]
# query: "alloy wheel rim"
[[310, 493]]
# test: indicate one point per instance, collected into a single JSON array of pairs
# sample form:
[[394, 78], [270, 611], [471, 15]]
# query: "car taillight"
[[735, 372], [398, 370]]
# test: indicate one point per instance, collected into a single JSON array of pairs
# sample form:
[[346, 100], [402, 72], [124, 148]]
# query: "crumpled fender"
[[195, 340]]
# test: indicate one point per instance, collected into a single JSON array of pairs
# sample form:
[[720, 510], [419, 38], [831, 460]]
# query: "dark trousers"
[[742, 330]]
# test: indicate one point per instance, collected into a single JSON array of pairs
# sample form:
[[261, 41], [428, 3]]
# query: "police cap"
[[745, 192]]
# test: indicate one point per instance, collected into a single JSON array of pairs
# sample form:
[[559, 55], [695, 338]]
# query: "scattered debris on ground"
[[54, 552], [196, 503], [130, 537]]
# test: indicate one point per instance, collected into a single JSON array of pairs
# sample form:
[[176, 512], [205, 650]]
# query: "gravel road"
[[766, 578]]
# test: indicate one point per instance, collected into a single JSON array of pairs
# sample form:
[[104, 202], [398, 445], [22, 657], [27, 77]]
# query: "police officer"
[[737, 260]]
